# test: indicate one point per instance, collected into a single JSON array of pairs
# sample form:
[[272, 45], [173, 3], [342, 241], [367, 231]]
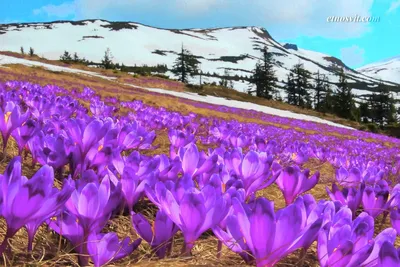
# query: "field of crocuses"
[[250, 193]]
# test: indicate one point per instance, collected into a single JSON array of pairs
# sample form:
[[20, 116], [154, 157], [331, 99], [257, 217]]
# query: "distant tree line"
[[31, 52], [69, 58], [303, 88], [321, 94]]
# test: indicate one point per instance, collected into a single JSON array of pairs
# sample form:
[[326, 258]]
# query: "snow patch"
[[242, 105]]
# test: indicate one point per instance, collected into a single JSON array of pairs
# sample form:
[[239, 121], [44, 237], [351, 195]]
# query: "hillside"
[[42, 69], [388, 70], [234, 49]]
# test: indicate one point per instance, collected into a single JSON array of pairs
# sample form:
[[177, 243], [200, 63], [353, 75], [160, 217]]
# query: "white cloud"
[[352, 56], [393, 6], [285, 18], [60, 11]]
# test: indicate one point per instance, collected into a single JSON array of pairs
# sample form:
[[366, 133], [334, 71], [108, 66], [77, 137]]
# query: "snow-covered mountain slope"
[[234, 49], [7, 60], [388, 69]]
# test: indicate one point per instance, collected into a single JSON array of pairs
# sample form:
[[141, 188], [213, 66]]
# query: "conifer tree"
[[31, 52], [185, 65], [343, 98], [301, 85], [327, 101], [66, 57], [22, 50], [382, 106], [320, 91], [76, 57], [290, 89], [224, 81], [264, 76], [107, 60]]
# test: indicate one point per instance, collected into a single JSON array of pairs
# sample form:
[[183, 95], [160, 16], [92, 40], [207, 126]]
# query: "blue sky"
[[303, 22]]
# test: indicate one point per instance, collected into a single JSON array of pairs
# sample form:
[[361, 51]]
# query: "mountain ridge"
[[236, 49]]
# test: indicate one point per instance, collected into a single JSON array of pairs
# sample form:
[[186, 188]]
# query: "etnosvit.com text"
[[355, 18]]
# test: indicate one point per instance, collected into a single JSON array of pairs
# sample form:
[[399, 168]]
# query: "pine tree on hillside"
[[290, 89], [76, 57], [319, 87], [382, 106], [31, 52], [327, 101], [224, 81], [343, 98], [66, 57], [107, 62], [301, 85], [185, 65], [264, 76], [22, 50]]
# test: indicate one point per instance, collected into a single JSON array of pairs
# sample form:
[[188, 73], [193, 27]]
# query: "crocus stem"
[[169, 247], [30, 242], [187, 249], [219, 249], [4, 150], [133, 232], [4, 244], [83, 258], [385, 214]]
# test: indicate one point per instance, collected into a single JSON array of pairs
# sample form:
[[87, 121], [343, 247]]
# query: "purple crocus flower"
[[178, 139], [133, 185], [293, 182], [85, 136], [253, 169], [389, 256], [349, 196], [106, 248], [100, 109], [395, 219], [26, 202], [193, 211], [387, 235], [191, 161], [134, 136], [159, 235], [10, 119], [23, 133], [168, 169], [92, 204], [268, 236], [346, 243], [53, 151], [348, 178], [238, 139], [67, 225], [374, 201]]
